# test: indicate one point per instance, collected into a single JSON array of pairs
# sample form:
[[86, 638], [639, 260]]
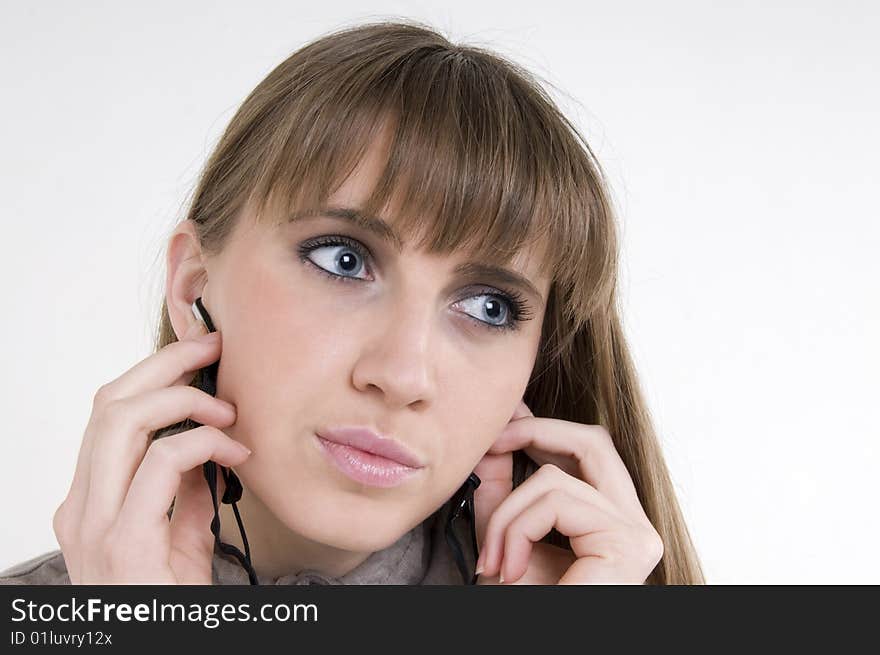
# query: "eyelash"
[[517, 308]]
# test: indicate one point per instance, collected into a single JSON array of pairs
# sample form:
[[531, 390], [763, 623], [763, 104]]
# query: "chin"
[[343, 523]]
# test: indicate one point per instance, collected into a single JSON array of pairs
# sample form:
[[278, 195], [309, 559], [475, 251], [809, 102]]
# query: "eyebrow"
[[378, 227]]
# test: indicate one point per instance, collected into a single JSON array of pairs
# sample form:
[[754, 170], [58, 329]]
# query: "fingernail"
[[480, 566], [500, 578], [244, 448], [210, 336]]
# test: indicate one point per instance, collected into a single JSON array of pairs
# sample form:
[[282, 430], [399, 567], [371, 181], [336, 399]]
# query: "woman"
[[401, 247]]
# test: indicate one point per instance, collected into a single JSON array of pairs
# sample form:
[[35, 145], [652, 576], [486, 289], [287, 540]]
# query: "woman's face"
[[398, 348]]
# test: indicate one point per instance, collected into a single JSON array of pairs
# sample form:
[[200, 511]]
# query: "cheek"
[[478, 402], [278, 347]]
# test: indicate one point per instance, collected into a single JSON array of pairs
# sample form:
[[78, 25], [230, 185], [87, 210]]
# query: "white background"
[[742, 147]]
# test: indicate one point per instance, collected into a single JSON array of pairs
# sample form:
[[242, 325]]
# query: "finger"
[[78, 492], [571, 516], [165, 366], [589, 446], [496, 481], [123, 438], [193, 513], [144, 512], [195, 331], [544, 480]]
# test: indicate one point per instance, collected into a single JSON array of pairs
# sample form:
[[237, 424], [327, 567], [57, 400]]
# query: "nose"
[[396, 356]]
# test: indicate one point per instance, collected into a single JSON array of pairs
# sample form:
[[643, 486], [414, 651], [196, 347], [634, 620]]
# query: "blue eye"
[[349, 257], [339, 254], [494, 307]]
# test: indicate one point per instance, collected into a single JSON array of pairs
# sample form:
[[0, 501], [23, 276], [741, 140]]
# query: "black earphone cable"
[[462, 505], [207, 382]]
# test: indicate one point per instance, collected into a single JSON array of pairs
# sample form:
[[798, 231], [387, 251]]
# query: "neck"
[[275, 549]]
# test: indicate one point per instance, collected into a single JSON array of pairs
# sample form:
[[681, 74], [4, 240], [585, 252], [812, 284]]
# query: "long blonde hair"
[[481, 159]]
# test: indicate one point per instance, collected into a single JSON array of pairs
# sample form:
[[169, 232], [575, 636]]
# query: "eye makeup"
[[516, 308]]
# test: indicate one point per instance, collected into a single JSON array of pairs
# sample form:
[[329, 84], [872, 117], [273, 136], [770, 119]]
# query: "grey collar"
[[419, 557]]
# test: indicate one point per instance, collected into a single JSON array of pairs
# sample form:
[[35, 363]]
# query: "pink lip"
[[347, 451], [370, 442]]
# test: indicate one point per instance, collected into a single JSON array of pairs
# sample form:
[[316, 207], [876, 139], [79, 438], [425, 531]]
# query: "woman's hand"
[[113, 526], [582, 488]]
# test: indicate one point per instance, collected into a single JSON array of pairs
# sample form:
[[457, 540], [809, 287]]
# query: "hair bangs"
[[475, 158], [462, 171]]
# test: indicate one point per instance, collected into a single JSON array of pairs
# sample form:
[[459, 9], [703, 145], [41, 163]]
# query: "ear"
[[186, 277]]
